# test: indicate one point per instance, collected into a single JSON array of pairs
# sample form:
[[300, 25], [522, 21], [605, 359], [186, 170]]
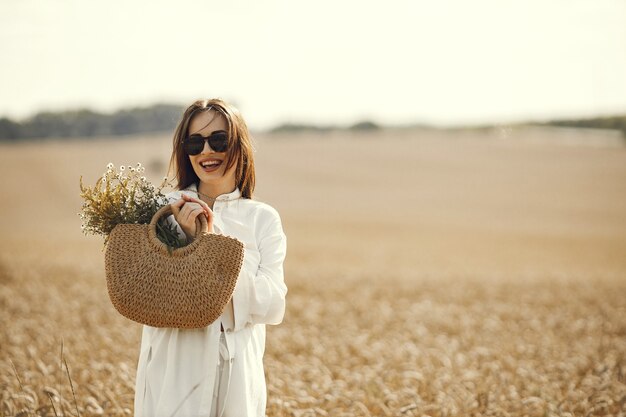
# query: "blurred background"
[[327, 63], [451, 177]]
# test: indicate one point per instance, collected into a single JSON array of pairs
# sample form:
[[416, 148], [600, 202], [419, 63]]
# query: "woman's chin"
[[215, 177], [209, 176]]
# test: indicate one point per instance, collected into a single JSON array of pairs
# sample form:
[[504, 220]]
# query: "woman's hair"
[[240, 147]]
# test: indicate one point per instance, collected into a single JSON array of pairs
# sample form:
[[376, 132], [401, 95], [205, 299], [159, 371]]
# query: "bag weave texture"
[[188, 288]]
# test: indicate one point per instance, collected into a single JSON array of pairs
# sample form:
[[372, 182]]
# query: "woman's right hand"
[[185, 212]]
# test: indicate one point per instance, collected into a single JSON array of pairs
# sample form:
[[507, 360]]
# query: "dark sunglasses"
[[218, 141]]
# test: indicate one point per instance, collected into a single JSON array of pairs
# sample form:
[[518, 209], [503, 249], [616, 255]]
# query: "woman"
[[217, 370]]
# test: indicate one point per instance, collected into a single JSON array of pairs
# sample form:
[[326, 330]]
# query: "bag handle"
[[201, 225]]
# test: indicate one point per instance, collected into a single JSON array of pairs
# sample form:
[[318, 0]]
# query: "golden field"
[[429, 273]]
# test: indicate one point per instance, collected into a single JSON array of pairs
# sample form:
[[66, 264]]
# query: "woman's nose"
[[207, 148]]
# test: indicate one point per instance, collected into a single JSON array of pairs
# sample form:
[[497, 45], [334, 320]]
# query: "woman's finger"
[[195, 213], [202, 203], [184, 212], [207, 210], [197, 200], [187, 208], [190, 211]]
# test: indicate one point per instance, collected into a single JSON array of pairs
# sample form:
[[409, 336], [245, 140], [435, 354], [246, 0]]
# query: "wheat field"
[[430, 273]]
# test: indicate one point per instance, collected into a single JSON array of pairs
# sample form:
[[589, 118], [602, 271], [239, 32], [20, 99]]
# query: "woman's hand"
[[185, 212]]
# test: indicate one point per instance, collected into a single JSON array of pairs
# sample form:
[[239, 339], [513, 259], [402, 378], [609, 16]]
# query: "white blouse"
[[177, 368]]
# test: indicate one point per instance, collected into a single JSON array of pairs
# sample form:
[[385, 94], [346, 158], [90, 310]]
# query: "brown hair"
[[240, 147]]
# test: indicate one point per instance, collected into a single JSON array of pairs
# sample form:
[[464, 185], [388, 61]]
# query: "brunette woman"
[[217, 370]]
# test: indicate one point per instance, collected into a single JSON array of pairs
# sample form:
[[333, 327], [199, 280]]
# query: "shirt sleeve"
[[268, 289]]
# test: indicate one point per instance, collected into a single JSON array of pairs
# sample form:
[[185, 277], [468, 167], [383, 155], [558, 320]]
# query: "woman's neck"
[[214, 190]]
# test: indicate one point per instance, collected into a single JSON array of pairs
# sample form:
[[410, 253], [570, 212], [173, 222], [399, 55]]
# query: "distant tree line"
[[87, 123], [365, 125], [164, 117], [609, 122]]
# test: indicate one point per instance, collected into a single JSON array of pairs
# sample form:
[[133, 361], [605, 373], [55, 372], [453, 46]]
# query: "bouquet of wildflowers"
[[125, 196]]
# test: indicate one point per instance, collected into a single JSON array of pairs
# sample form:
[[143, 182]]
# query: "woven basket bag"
[[187, 289]]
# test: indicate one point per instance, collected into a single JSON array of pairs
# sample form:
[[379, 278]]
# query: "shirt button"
[[229, 330]]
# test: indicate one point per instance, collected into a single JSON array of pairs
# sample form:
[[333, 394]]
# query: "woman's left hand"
[[207, 210]]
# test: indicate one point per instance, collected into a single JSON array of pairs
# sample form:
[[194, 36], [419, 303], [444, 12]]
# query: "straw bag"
[[188, 288]]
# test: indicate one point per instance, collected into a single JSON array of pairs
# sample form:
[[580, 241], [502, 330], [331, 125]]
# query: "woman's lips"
[[211, 168]]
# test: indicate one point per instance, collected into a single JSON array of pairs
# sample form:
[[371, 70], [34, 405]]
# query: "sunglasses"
[[218, 141]]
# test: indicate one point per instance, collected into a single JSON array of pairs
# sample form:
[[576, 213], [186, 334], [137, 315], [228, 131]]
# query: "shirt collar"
[[233, 195]]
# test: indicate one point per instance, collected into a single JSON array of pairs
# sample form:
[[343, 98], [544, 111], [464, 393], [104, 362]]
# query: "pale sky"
[[323, 61]]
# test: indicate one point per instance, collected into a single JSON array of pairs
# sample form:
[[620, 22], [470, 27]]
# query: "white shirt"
[[177, 368]]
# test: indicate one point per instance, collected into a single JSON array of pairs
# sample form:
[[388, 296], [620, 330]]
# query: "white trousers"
[[222, 378], [174, 365]]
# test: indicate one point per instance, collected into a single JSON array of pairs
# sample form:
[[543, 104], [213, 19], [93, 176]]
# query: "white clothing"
[[200, 372]]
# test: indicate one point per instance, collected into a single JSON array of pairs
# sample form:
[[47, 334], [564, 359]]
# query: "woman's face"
[[205, 123]]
